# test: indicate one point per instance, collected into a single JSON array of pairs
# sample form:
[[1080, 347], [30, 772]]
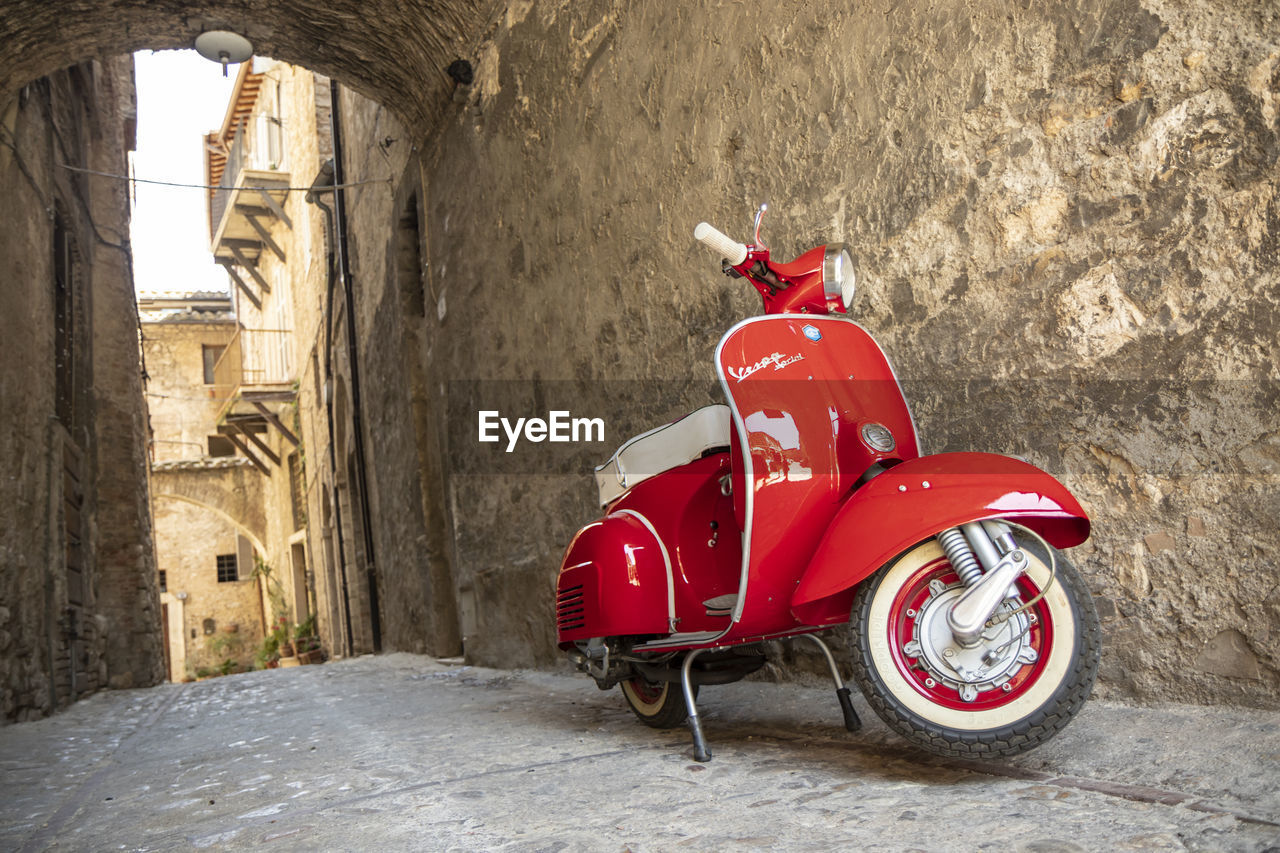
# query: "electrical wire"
[[219, 187], [159, 396]]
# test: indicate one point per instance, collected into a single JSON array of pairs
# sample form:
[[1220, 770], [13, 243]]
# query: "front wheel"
[[1026, 679]]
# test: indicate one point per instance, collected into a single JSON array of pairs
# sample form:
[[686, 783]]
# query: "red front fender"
[[917, 499]]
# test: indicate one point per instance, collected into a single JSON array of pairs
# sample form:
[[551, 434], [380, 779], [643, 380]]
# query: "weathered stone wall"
[[394, 315], [1065, 219], [126, 585], [75, 488], [182, 409], [216, 621]]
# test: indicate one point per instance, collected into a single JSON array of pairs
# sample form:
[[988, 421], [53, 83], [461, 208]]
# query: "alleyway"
[[402, 752]]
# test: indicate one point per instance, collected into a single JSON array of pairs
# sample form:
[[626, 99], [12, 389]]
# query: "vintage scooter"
[[806, 503]]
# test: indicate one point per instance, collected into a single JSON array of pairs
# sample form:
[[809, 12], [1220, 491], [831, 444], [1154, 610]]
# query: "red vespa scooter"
[[806, 503]]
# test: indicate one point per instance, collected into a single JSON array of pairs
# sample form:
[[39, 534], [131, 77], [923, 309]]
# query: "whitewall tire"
[[1020, 689]]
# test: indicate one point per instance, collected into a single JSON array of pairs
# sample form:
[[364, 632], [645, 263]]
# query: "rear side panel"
[[695, 520], [613, 581]]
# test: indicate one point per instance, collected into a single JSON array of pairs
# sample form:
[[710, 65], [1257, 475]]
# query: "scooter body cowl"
[[741, 526]]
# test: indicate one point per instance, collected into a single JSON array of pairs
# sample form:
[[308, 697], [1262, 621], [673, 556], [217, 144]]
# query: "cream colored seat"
[[662, 449]]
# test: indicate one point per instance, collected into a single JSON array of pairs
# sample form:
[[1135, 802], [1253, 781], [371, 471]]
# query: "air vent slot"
[[570, 610]]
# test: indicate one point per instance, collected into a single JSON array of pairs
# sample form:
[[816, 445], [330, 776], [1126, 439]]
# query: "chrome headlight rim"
[[838, 278]]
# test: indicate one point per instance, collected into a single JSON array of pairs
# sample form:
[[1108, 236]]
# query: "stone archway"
[[61, 115], [389, 51], [258, 547], [205, 620], [232, 492]]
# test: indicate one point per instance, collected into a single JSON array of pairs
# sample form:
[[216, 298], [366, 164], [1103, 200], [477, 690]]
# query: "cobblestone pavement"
[[402, 752]]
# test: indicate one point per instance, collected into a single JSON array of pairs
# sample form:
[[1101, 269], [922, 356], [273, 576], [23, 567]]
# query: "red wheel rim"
[[913, 594], [648, 692]]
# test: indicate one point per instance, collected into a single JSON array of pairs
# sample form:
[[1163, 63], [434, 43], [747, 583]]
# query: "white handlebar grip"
[[719, 242]]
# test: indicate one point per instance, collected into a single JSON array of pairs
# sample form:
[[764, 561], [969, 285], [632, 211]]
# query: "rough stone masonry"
[[1068, 234], [78, 603]]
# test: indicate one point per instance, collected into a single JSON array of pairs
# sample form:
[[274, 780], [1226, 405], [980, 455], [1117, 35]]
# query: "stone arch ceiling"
[[394, 51]]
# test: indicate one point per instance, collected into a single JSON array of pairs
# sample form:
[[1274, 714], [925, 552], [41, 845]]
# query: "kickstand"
[[851, 721], [700, 751]]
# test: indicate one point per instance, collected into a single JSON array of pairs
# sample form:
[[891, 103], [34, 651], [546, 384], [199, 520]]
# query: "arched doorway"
[[96, 506]]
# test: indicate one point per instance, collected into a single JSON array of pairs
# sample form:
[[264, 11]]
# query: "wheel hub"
[[1003, 648]]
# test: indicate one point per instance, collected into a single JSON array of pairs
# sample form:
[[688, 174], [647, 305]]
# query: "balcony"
[[254, 377], [250, 197]]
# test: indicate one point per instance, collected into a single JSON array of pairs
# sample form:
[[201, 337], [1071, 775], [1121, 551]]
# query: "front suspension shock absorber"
[[960, 554]]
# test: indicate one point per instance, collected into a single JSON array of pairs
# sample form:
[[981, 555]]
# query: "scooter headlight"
[[838, 277]]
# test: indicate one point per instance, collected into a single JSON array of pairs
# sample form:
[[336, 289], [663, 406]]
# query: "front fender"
[[920, 497]]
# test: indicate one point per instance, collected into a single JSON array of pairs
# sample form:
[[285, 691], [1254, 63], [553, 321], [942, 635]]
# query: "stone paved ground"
[[401, 752]]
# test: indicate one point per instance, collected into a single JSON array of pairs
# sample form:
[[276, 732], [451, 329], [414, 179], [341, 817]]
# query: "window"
[[409, 270], [211, 355], [227, 572], [298, 491], [164, 581], [269, 136], [220, 445]]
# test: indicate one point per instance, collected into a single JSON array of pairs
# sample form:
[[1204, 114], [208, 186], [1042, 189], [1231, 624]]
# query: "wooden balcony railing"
[[254, 358]]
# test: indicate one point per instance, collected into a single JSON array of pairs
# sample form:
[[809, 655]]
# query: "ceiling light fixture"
[[223, 46]]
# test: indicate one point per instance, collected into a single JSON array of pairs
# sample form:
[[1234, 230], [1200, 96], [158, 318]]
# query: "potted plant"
[[277, 649], [268, 654], [307, 642]]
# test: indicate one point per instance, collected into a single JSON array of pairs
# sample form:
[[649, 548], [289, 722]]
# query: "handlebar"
[[719, 242]]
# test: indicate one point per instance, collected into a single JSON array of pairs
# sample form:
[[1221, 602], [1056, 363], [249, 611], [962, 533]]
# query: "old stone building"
[[1065, 218], [232, 497], [272, 243], [206, 502], [78, 604], [282, 249]]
